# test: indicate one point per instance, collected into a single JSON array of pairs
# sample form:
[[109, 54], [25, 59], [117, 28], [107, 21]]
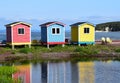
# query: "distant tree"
[[113, 26]]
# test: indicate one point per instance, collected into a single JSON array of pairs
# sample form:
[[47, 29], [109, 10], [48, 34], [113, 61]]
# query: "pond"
[[67, 72]]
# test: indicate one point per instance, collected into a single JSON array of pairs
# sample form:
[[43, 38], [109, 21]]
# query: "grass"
[[6, 74], [117, 50], [4, 50], [25, 50], [36, 52], [86, 50]]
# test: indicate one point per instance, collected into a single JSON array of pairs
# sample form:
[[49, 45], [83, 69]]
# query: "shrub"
[[88, 50], [25, 50], [117, 50]]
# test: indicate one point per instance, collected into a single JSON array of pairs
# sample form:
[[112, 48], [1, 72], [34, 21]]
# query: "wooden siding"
[[86, 37], [18, 38], [8, 34], [43, 34], [48, 38], [74, 34], [56, 37]]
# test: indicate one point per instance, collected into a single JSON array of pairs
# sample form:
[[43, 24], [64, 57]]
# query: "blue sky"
[[67, 11], [59, 9]]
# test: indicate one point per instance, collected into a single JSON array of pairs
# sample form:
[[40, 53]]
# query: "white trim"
[[30, 35], [20, 28], [86, 23], [56, 30], [47, 35], [94, 34], [20, 23], [64, 33]]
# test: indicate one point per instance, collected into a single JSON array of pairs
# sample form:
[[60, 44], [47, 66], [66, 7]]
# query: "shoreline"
[[73, 57], [69, 53]]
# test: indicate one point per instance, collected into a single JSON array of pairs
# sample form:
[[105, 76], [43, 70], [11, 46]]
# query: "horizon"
[[69, 12]]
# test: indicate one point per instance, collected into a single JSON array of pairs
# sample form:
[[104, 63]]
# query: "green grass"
[[6, 74], [36, 51], [4, 50], [117, 50], [86, 50], [25, 50]]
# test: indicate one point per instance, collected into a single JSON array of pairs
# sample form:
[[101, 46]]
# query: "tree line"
[[111, 26]]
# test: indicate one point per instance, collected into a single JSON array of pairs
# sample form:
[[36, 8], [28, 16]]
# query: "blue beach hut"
[[53, 33]]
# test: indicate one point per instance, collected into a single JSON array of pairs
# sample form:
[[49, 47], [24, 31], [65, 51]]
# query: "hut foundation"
[[13, 47], [63, 45], [48, 46], [29, 45]]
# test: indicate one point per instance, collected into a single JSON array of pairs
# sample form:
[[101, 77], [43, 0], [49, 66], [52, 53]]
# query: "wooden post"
[[63, 45], [48, 46], [29, 45], [13, 47]]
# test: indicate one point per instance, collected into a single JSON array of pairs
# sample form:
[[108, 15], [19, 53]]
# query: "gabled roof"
[[15, 23], [80, 23], [51, 23]]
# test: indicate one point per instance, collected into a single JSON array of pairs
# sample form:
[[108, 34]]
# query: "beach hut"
[[18, 33], [53, 33], [82, 33]]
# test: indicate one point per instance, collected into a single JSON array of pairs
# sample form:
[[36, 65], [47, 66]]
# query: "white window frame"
[[56, 31], [86, 30], [21, 29]]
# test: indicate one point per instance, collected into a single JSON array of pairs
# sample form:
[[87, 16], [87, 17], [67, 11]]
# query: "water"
[[67, 72], [98, 35], [112, 35]]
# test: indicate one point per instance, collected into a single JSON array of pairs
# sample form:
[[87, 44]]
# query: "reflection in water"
[[86, 72], [67, 72], [56, 72], [74, 72], [23, 74], [44, 72], [36, 73]]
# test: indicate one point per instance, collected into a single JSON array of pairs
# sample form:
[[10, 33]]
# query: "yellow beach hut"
[[82, 33]]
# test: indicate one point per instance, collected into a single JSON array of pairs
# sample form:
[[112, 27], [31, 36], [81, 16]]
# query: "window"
[[86, 30], [58, 31], [21, 31], [55, 30]]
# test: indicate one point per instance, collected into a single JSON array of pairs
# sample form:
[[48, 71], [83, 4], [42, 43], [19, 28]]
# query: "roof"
[[51, 23], [80, 23], [15, 23]]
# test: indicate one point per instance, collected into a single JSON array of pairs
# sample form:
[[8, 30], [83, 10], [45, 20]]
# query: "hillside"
[[109, 26]]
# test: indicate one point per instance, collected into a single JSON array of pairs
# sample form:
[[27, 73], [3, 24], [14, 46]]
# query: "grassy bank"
[[58, 53]]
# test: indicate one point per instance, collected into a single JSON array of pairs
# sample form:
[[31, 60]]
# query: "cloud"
[[102, 19]]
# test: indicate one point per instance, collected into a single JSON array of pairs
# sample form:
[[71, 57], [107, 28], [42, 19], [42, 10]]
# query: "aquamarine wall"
[[56, 37]]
